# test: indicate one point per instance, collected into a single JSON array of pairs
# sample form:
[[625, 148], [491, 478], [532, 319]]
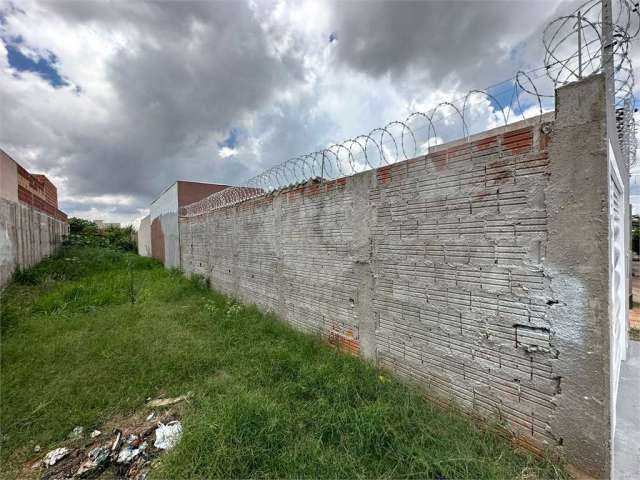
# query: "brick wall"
[[456, 240], [38, 192], [459, 297], [438, 269], [49, 189]]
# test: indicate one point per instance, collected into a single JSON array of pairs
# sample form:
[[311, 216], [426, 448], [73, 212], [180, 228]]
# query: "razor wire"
[[573, 46], [418, 134], [579, 40]]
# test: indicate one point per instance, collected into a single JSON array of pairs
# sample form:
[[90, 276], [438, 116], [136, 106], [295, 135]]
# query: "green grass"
[[267, 401]]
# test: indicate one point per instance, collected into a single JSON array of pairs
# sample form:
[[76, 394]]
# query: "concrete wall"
[[144, 237], [577, 266], [8, 178], [27, 235], [478, 272]]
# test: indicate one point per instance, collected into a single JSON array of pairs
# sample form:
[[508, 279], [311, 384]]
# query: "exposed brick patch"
[[292, 194], [345, 341], [518, 141], [311, 190], [485, 143], [439, 160], [36, 191], [384, 174]]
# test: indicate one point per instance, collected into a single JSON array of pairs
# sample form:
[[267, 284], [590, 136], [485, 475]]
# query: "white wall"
[[144, 237], [165, 210]]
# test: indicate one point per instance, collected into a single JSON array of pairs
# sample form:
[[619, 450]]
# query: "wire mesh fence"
[[574, 46]]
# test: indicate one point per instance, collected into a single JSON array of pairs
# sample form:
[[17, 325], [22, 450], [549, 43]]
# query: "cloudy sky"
[[115, 100]]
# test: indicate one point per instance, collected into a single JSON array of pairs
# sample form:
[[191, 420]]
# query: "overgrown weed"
[[268, 401]]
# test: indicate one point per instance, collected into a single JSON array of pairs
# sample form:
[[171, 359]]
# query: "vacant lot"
[[92, 333]]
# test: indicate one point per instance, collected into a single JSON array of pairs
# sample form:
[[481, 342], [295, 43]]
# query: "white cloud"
[[226, 152]]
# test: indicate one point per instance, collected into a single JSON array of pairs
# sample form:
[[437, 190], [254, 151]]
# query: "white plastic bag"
[[168, 436]]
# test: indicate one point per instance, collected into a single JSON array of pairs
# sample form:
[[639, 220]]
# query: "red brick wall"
[[190, 192], [50, 191], [38, 192], [157, 240]]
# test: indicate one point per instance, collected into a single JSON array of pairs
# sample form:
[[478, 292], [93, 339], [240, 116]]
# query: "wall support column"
[[362, 218], [576, 264]]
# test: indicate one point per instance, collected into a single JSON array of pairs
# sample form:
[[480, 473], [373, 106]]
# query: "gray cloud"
[[179, 86], [475, 40], [185, 73], [197, 69]]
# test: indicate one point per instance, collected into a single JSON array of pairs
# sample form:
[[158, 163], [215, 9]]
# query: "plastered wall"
[[27, 236], [144, 237], [8, 177], [163, 214], [478, 272]]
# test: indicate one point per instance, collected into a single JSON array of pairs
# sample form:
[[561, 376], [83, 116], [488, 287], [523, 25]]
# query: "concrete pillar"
[[362, 217], [577, 260], [235, 250], [279, 275]]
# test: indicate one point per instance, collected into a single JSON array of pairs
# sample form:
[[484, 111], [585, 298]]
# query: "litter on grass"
[[98, 458], [124, 448], [76, 433], [54, 456], [129, 453], [168, 436], [165, 402]]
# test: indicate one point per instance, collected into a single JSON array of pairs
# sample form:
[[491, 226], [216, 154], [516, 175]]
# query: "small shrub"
[[26, 276], [229, 310], [212, 307], [175, 272], [233, 310], [200, 282]]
